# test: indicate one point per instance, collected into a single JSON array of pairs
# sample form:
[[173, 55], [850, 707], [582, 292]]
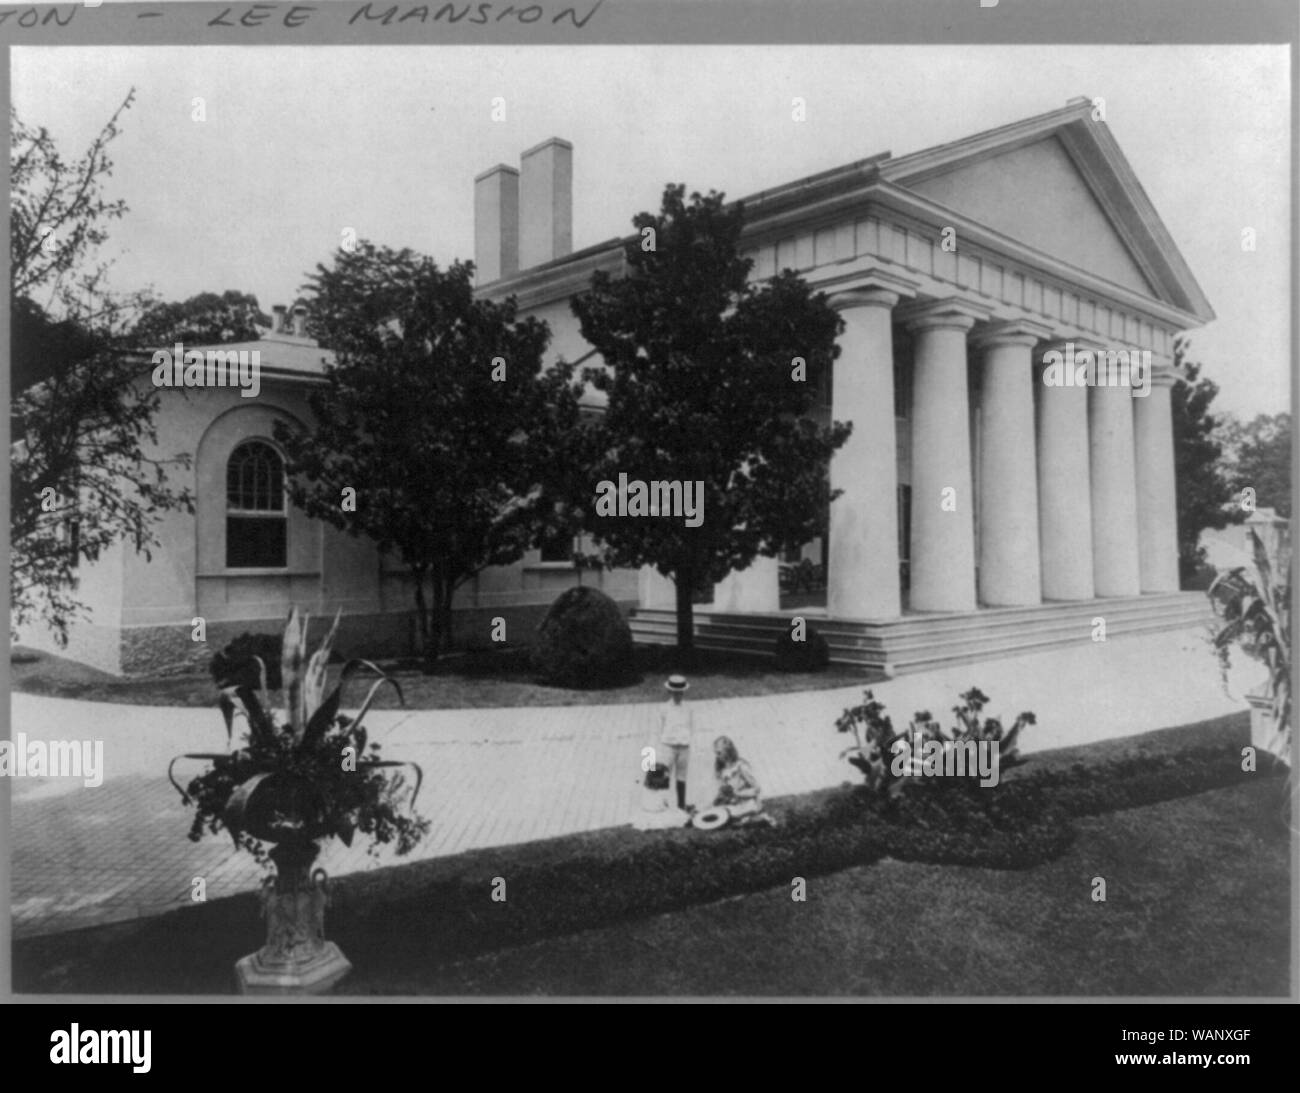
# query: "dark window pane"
[[255, 478], [255, 543]]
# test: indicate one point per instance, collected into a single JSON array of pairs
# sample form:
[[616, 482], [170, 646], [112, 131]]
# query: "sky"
[[298, 145]]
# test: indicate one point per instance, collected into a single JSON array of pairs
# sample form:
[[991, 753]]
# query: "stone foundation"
[[170, 649]]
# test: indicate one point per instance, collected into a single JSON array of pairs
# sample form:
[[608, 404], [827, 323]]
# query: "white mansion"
[[982, 509]]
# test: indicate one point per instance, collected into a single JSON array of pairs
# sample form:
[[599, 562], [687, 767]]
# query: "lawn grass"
[[477, 679], [1197, 903], [416, 928]]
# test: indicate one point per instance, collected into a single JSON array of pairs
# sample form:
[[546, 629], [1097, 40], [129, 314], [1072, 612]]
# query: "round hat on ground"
[[677, 683], [710, 819]]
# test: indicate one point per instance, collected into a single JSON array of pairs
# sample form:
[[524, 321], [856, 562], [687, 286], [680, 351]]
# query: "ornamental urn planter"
[[291, 786], [296, 958], [287, 810]]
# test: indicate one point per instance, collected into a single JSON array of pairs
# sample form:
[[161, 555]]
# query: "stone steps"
[[922, 641]]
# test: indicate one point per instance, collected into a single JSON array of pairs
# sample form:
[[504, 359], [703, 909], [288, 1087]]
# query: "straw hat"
[[677, 683], [711, 819]]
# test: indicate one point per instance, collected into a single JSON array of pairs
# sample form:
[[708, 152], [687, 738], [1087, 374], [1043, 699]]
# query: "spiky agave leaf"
[[261, 676], [213, 757], [1263, 568], [242, 702], [365, 706], [292, 656], [327, 712], [315, 676]]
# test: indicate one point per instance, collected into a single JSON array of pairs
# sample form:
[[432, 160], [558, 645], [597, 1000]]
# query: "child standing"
[[676, 726]]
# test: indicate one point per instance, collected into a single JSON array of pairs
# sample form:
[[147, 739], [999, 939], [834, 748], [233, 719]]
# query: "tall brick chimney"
[[496, 224], [545, 203]]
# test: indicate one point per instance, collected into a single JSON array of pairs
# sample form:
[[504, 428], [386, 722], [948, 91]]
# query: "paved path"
[[83, 856]]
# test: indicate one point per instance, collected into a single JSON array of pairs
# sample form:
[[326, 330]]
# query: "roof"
[[286, 353], [913, 186], [305, 359]]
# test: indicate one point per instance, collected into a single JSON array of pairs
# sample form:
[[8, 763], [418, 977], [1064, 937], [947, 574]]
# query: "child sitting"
[[738, 790]]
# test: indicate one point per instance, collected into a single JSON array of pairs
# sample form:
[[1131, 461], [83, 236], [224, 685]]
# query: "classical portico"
[[1024, 493], [1076, 487], [974, 485]]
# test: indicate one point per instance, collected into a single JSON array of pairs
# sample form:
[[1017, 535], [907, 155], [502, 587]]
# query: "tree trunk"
[[428, 650], [685, 580], [442, 616]]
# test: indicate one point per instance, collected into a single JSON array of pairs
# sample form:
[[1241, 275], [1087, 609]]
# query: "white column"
[[1064, 489], [757, 588], [1114, 484], [1157, 498], [863, 576], [1009, 571], [943, 527]]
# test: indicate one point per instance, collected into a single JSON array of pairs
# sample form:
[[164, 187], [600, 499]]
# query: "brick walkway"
[[83, 856]]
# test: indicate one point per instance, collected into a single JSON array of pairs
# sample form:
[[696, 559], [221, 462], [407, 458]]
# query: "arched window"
[[256, 519]]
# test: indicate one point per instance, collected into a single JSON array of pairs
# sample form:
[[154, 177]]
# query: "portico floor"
[[84, 856]]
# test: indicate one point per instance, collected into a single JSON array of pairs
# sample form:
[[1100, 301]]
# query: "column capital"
[[951, 313], [1024, 332], [874, 288], [1060, 342], [864, 297]]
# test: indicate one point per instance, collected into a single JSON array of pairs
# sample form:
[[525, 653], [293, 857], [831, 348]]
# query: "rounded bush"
[[810, 655], [584, 641], [235, 664]]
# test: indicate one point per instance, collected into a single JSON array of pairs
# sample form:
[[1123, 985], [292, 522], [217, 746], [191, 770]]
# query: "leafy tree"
[[438, 414], [85, 470], [703, 385], [1260, 452], [205, 319], [1205, 495]]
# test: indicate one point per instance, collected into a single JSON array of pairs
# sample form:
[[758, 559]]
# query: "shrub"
[[812, 654], [584, 641], [885, 757], [1254, 605], [236, 664]]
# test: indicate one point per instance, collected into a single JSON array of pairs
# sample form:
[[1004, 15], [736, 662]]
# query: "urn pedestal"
[[296, 958]]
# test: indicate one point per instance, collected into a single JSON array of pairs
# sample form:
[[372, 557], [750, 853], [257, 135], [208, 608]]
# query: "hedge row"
[[613, 876]]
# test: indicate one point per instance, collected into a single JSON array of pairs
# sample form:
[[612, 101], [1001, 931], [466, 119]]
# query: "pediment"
[[1035, 195], [1059, 184]]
